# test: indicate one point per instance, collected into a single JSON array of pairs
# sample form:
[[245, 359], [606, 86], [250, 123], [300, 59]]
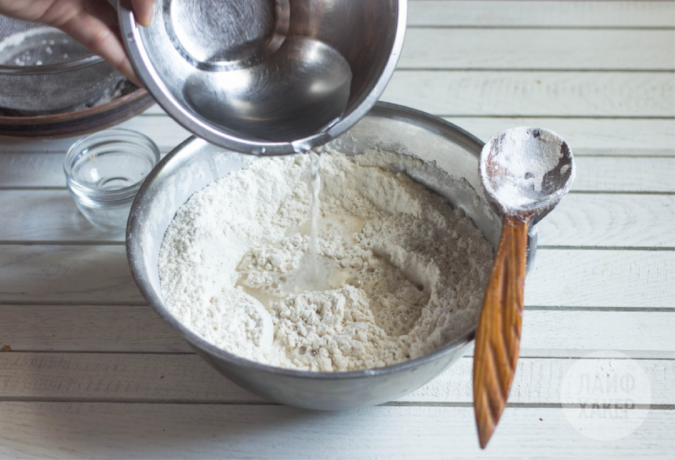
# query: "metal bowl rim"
[[381, 110]]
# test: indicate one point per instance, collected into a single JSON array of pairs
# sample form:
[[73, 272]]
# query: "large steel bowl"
[[195, 163]]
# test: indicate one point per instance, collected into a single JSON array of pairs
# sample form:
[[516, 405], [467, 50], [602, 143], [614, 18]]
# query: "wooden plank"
[[533, 94], [584, 220], [625, 174], [166, 133], [66, 274], [597, 174], [100, 430], [539, 381], [48, 215], [116, 377], [581, 220], [602, 278], [588, 135], [87, 328], [589, 278], [541, 14], [570, 333], [538, 49], [187, 378], [31, 169], [546, 333]]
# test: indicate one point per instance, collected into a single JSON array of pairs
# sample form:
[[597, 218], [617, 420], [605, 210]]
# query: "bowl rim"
[[453, 133]]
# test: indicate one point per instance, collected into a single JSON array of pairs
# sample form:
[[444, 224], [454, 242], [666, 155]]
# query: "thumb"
[[143, 11]]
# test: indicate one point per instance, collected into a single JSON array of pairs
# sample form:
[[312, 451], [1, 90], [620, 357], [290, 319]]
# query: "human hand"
[[91, 22]]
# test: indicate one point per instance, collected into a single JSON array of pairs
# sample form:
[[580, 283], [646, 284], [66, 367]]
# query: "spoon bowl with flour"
[[526, 171]]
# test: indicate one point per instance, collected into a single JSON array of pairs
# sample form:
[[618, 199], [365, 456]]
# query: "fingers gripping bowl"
[[195, 164]]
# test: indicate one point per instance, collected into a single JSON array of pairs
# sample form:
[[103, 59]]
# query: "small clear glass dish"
[[104, 172]]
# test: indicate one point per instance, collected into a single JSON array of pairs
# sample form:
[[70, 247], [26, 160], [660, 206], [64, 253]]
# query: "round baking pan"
[[77, 122]]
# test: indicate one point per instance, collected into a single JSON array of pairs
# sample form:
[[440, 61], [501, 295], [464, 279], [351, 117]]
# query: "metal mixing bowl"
[[266, 76], [195, 163]]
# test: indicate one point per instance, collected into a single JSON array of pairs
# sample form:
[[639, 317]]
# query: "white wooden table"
[[93, 372]]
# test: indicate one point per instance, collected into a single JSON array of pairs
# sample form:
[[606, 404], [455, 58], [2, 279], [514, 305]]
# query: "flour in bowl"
[[402, 272]]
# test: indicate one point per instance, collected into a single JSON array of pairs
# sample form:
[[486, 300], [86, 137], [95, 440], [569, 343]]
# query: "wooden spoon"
[[525, 172]]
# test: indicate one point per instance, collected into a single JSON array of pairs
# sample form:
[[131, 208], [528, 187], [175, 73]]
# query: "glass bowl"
[[104, 172]]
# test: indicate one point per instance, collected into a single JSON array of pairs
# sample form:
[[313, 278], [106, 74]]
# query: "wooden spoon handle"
[[498, 334]]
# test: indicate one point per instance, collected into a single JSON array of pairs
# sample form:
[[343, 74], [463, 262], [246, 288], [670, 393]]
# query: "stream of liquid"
[[398, 302], [314, 203], [315, 272]]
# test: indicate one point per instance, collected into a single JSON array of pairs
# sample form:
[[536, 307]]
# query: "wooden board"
[[532, 93], [629, 137], [48, 216], [602, 278], [581, 220], [575, 15], [589, 136], [230, 431], [64, 274], [108, 328], [526, 49], [586, 136], [535, 94], [625, 175], [118, 377], [596, 174], [610, 220], [100, 275], [101, 328]]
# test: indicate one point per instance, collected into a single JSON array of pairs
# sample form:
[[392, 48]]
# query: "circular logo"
[[604, 398]]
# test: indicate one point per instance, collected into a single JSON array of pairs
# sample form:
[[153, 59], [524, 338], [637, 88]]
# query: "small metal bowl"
[[195, 163], [266, 77]]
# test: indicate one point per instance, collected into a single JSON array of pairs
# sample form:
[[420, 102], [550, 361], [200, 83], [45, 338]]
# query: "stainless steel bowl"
[[266, 76], [195, 163]]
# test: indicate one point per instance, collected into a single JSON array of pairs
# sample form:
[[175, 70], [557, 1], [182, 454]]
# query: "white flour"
[[404, 272]]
